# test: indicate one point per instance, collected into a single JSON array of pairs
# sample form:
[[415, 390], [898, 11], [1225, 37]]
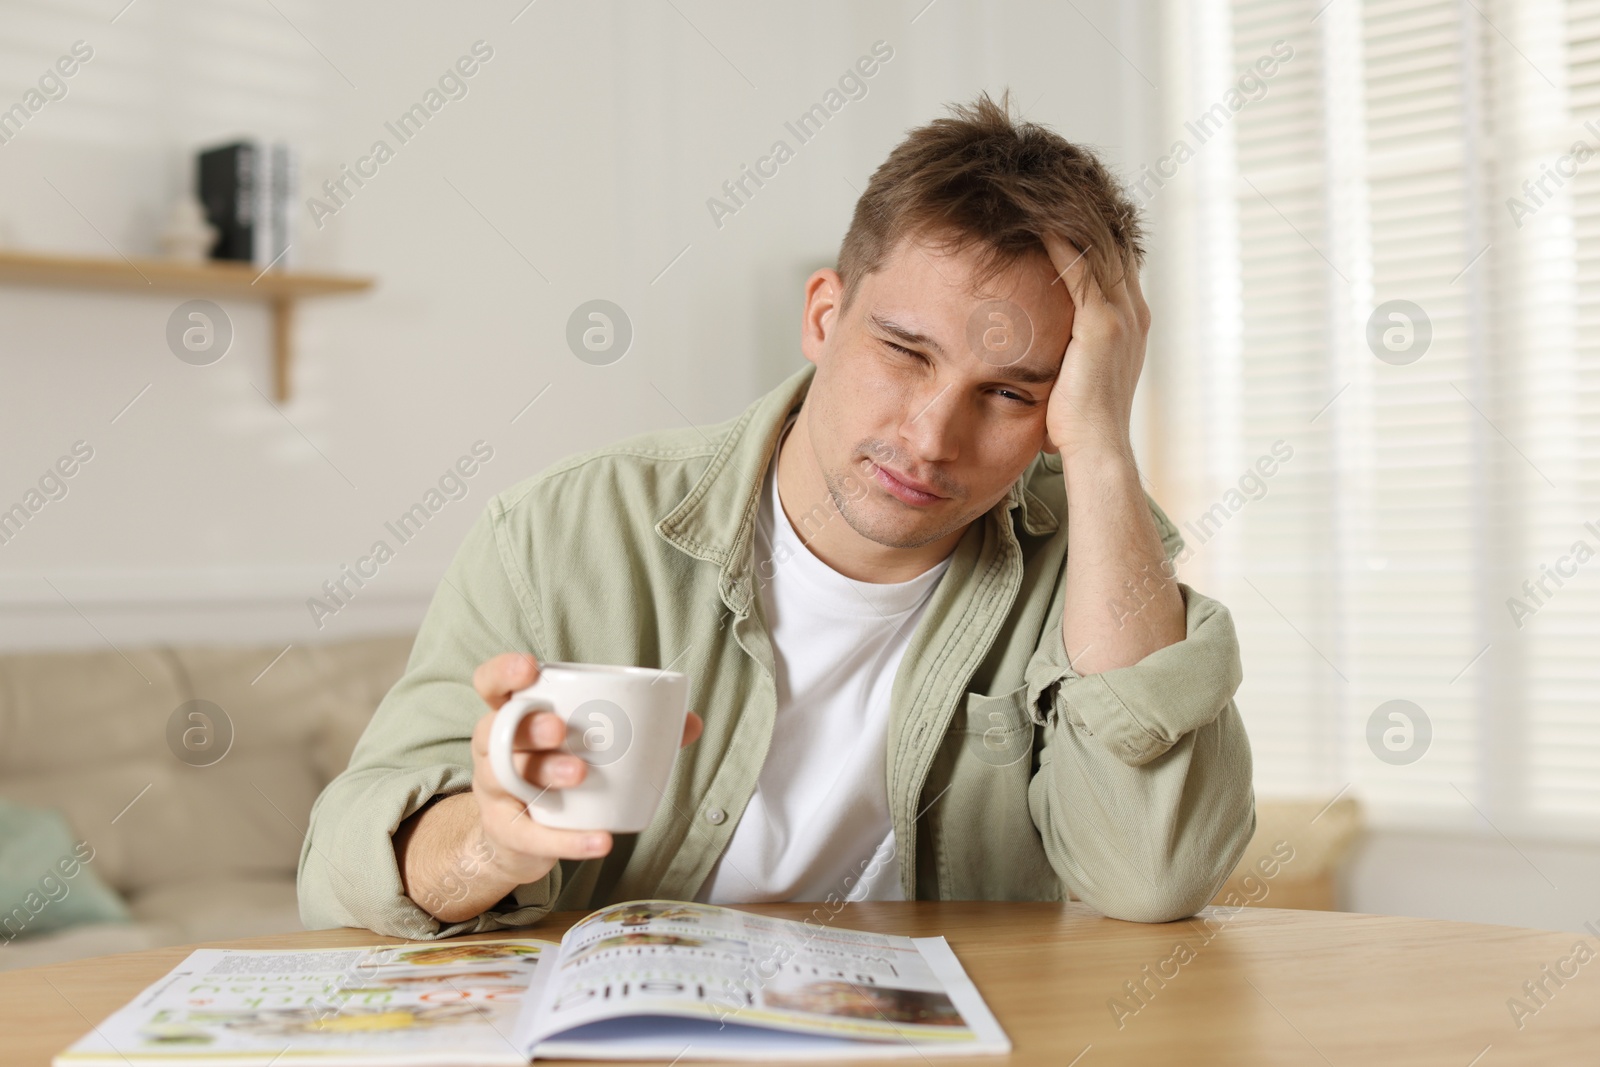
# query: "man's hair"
[[982, 177]]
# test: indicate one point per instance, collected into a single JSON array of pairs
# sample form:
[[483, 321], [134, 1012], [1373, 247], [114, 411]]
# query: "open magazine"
[[648, 979]]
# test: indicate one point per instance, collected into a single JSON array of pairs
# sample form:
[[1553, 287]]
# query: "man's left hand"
[[1091, 403]]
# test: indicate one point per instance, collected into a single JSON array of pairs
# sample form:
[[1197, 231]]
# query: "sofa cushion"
[[215, 909], [92, 733], [80, 942], [179, 914], [46, 881], [1293, 860]]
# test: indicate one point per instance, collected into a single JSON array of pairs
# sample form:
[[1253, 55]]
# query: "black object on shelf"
[[228, 189], [246, 188]]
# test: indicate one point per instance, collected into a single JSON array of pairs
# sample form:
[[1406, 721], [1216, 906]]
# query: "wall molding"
[[206, 605], [192, 585]]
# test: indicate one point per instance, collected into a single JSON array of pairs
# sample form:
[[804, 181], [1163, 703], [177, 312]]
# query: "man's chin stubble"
[[875, 532]]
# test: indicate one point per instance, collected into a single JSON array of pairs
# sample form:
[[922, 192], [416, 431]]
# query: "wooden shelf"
[[218, 278]]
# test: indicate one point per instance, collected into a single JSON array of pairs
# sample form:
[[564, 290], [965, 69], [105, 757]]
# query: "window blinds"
[[1354, 283]]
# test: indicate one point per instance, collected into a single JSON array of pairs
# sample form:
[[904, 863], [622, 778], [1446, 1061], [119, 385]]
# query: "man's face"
[[929, 398]]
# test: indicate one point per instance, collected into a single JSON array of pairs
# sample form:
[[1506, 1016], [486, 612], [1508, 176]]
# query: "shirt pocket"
[[987, 847], [996, 730]]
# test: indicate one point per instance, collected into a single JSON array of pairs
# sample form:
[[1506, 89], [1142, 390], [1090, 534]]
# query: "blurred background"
[[1371, 402]]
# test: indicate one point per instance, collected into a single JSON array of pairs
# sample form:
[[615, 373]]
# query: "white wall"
[[584, 151]]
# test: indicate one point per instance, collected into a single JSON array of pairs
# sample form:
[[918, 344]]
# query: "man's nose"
[[931, 423]]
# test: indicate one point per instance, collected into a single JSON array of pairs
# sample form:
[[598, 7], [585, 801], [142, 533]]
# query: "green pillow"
[[46, 879]]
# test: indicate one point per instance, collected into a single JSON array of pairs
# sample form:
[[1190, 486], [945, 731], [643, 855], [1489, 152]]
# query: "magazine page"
[[721, 977], [408, 1004]]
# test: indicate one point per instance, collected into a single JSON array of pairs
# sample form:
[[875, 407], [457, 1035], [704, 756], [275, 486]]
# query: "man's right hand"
[[523, 849], [464, 853]]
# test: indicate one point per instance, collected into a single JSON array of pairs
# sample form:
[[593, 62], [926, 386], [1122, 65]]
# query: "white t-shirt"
[[819, 822]]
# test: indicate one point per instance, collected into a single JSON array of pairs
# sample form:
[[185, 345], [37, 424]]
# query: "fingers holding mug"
[[541, 840], [612, 733], [538, 755], [523, 848], [554, 769], [496, 679], [693, 727], [524, 719]]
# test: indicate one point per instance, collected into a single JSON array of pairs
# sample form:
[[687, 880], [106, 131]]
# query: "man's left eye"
[[1016, 397]]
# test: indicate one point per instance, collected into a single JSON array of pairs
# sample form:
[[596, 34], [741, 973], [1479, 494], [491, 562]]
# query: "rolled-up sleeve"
[[417, 747], [1143, 796]]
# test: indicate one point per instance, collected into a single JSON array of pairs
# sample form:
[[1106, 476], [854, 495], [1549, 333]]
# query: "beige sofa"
[[1296, 856], [198, 852], [209, 852]]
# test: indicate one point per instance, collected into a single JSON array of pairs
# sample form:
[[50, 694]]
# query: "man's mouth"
[[905, 489]]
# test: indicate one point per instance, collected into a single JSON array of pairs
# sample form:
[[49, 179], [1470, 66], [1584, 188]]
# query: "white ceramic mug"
[[625, 722]]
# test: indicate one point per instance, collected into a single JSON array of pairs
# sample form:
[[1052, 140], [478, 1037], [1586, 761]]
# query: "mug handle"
[[506, 721]]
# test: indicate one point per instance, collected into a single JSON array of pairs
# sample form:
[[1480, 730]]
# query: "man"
[[907, 687]]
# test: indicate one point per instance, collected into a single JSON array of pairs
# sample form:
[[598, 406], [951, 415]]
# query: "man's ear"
[[824, 292]]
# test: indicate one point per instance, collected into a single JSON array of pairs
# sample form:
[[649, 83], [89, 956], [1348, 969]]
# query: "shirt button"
[[716, 815]]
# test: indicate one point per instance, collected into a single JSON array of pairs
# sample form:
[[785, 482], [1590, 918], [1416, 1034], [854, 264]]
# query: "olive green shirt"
[[1009, 775]]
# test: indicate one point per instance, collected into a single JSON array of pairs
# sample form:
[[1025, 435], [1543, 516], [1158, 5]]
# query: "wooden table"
[[1252, 986]]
